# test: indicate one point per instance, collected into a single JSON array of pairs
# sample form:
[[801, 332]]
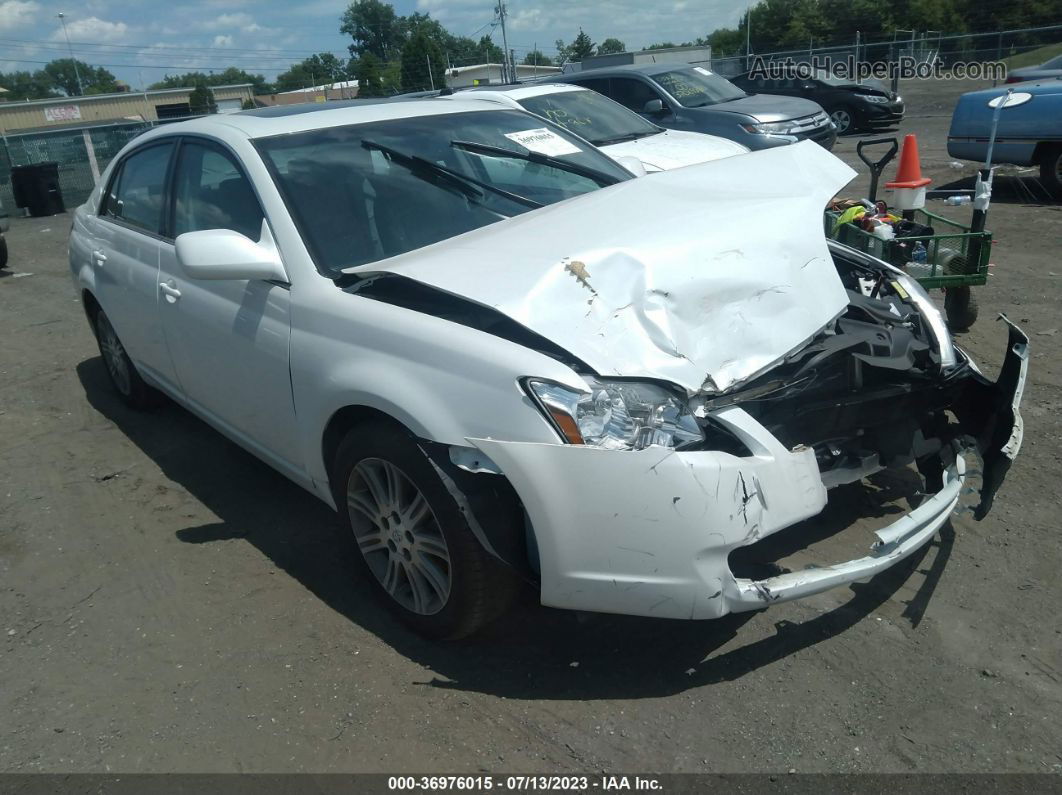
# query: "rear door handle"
[[99, 257], [170, 290]]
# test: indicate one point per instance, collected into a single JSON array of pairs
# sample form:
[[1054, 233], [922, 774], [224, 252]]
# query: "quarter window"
[[212, 193], [137, 192]]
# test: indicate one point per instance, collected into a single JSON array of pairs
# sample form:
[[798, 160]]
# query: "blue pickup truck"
[[1029, 132]]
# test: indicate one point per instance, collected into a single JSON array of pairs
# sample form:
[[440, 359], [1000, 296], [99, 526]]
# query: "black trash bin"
[[36, 187]]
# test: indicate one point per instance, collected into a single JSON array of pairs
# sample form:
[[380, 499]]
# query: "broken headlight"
[[617, 415], [921, 299]]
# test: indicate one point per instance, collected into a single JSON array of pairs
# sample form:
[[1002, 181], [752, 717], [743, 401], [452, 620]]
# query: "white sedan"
[[502, 359], [617, 131]]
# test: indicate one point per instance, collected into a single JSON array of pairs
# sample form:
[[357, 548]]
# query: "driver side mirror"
[[654, 106], [224, 254]]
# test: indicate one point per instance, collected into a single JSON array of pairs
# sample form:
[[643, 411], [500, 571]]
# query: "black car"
[[852, 106]]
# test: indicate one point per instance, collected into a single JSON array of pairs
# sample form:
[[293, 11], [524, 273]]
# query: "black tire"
[[844, 119], [1051, 170], [3, 251], [481, 588], [960, 306], [126, 381]]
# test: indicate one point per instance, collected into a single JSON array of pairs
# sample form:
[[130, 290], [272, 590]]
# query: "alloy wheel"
[[114, 357], [842, 119], [399, 536]]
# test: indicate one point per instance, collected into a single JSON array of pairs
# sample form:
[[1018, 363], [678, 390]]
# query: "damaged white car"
[[504, 359]]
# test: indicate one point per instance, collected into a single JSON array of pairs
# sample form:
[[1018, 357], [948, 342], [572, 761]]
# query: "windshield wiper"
[[600, 177], [618, 139], [469, 186]]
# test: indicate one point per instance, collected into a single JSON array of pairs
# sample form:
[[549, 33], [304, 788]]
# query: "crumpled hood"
[[661, 277]]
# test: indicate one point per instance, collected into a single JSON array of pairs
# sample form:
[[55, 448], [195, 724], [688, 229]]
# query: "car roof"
[[640, 68], [281, 120]]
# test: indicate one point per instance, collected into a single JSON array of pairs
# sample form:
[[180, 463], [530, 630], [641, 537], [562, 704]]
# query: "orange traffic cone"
[[909, 174], [910, 185]]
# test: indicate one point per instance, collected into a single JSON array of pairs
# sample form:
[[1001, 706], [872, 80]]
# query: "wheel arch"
[[91, 306]]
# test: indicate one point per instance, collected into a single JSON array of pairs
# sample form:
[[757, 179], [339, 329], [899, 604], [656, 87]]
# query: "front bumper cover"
[[649, 532]]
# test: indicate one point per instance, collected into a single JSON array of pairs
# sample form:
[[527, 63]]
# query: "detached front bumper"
[[649, 532]]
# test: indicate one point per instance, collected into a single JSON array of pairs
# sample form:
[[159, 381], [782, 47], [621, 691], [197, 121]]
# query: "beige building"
[[486, 74], [152, 105]]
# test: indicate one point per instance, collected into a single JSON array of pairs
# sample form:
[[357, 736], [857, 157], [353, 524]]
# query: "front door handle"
[[169, 289], [99, 257]]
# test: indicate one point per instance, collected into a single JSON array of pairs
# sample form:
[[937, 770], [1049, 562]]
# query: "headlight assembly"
[[770, 128], [875, 98], [616, 415]]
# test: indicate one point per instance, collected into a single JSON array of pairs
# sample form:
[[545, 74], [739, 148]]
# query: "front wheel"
[[3, 251], [960, 306], [412, 537], [842, 120]]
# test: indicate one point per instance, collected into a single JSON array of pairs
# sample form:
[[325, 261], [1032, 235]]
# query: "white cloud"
[[240, 21], [16, 13], [92, 30], [223, 41]]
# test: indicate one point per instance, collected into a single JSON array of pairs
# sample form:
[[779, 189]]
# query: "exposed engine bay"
[[873, 390]]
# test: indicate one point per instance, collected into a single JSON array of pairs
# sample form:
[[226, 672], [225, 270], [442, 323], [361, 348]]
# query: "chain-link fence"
[[82, 154], [922, 46]]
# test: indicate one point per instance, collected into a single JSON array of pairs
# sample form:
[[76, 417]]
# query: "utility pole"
[[748, 39], [427, 58], [77, 73], [501, 11]]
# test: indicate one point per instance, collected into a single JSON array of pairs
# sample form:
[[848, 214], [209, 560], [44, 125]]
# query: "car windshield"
[[594, 117], [1054, 63], [365, 192], [697, 87]]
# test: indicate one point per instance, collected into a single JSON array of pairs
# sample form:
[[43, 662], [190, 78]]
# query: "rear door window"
[[137, 192]]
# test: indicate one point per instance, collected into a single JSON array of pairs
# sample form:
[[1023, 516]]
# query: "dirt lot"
[[168, 603]]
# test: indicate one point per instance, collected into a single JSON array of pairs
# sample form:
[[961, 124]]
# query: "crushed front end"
[[649, 531]]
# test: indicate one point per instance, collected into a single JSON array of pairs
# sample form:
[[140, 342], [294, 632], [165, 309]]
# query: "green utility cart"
[[957, 259]]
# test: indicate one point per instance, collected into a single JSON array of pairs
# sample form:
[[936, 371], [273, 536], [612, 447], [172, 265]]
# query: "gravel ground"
[[168, 603]]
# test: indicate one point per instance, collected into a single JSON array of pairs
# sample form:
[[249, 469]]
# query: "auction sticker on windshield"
[[544, 142]]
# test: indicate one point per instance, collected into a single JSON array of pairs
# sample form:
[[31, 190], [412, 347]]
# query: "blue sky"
[[142, 40]]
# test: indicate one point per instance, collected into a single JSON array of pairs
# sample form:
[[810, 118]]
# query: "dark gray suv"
[[692, 98]]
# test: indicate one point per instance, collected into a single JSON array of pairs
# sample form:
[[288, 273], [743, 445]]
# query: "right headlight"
[[932, 315], [617, 415]]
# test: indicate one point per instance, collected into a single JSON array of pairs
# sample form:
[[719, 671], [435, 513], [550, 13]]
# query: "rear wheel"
[[412, 537], [124, 377], [1051, 170]]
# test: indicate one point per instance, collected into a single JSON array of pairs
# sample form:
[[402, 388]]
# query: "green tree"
[[201, 100], [313, 71], [230, 77], [248, 104], [367, 73], [417, 54], [610, 46], [582, 47], [94, 79], [536, 58], [564, 51], [374, 27], [27, 85]]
